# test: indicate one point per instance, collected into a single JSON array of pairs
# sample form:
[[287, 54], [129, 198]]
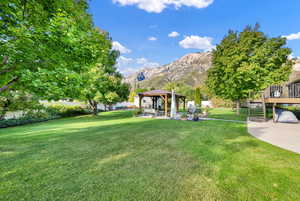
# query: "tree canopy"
[[46, 45], [103, 84], [181, 88], [52, 50], [248, 61]]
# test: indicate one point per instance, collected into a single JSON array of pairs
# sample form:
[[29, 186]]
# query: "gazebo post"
[[155, 95], [183, 103], [140, 101], [153, 104], [166, 105], [177, 104]]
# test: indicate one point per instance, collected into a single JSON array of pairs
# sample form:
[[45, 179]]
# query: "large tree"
[[46, 45], [246, 62], [180, 88], [103, 84]]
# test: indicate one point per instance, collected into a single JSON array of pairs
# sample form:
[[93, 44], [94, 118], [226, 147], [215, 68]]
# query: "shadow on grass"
[[116, 157]]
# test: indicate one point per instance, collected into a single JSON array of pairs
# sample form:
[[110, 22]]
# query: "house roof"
[[159, 93], [294, 77]]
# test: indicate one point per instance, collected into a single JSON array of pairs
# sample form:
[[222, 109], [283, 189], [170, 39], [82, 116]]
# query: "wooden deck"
[[278, 100]]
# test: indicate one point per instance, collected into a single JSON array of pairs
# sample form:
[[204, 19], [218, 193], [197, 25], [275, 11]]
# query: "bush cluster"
[[48, 113], [27, 119], [66, 111]]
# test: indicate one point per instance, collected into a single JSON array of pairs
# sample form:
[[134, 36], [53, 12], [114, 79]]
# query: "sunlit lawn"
[[115, 157], [228, 114]]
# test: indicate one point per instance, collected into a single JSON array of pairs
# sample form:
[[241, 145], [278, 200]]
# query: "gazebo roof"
[[159, 93]]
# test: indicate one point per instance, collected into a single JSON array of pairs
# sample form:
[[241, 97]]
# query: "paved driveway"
[[286, 136]]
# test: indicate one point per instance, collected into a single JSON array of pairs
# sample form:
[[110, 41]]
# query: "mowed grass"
[[228, 114], [115, 157]]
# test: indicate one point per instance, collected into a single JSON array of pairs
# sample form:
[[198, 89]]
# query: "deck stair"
[[256, 109], [256, 112]]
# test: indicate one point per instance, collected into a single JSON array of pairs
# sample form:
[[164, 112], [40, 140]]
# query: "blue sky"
[[142, 29]]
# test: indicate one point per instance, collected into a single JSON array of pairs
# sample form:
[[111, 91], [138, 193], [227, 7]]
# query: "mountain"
[[190, 69]]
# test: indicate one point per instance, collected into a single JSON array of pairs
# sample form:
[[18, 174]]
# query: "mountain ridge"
[[191, 69]]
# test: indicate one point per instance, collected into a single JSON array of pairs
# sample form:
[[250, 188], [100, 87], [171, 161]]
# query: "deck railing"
[[283, 91]]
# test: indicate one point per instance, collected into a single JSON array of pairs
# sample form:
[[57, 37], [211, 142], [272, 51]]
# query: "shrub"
[[121, 108], [67, 111], [137, 113], [184, 115], [48, 113], [31, 117], [217, 102]]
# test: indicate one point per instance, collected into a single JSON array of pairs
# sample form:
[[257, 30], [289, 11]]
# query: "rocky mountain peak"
[[190, 69]]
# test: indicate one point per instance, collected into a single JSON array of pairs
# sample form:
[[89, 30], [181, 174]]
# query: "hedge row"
[[49, 113]]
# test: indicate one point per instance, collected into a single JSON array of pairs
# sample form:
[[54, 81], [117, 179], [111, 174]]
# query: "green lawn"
[[228, 114], [115, 157]]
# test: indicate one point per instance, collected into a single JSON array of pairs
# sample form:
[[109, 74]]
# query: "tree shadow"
[[145, 159]]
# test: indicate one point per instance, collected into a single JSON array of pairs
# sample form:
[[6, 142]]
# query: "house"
[[287, 93]]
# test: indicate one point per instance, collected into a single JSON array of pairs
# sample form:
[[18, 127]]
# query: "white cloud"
[[129, 65], [157, 6], [118, 46], [141, 60], [173, 34], [292, 56], [197, 42], [294, 36], [152, 38]]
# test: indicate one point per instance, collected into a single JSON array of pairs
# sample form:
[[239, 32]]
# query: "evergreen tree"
[[197, 97]]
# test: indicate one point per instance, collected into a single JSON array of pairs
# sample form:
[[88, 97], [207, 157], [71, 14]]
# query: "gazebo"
[[165, 96]]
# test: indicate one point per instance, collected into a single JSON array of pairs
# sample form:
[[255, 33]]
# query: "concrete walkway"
[[286, 136]]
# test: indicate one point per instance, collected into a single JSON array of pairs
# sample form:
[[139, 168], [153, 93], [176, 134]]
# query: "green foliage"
[[181, 88], [131, 96], [137, 113], [248, 62], [46, 45], [52, 50], [22, 121], [197, 98], [140, 90], [103, 84], [27, 118], [12, 101], [135, 92], [44, 114], [220, 103], [66, 111]]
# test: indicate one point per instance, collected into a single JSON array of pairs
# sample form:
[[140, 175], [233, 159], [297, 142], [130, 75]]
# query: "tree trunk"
[[95, 110], [9, 84], [238, 107], [2, 115], [94, 106], [5, 109]]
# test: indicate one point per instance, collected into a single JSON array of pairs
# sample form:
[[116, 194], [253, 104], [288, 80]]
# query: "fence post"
[[264, 106]]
